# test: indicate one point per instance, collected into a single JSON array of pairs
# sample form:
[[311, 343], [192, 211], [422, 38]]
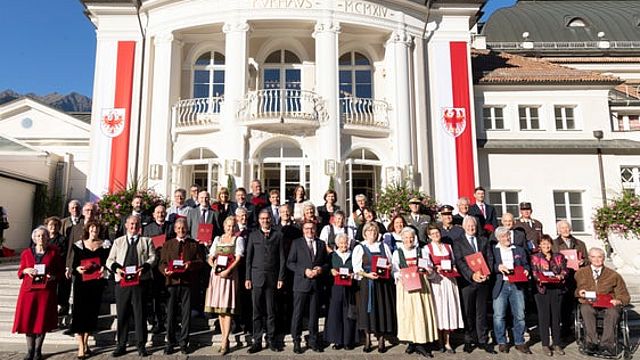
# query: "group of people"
[[253, 260]]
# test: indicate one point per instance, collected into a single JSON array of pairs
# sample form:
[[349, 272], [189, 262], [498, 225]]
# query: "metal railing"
[[364, 112], [282, 104], [198, 111]]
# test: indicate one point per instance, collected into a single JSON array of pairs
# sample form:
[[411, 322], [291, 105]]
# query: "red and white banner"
[[454, 145], [113, 95]]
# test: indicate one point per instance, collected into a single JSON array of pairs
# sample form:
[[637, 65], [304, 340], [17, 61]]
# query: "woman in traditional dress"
[[221, 293], [376, 303], [445, 289], [341, 322], [89, 256], [393, 239], [36, 308], [416, 315]]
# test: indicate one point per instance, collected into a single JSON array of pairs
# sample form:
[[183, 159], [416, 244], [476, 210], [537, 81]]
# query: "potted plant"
[[116, 205], [394, 199], [618, 225]]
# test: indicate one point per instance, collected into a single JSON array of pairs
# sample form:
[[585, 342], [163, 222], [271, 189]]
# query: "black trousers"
[[156, 300], [309, 303], [179, 295], [609, 325], [128, 299], [263, 306], [474, 308], [549, 307]]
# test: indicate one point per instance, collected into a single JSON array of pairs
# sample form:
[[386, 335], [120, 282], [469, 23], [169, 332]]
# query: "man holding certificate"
[[472, 254], [512, 271], [131, 258], [180, 263]]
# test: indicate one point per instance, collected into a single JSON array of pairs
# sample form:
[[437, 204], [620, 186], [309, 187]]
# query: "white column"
[[165, 91], [235, 87], [326, 36], [399, 43]]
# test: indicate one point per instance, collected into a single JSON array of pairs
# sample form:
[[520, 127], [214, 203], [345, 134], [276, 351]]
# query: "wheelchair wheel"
[[578, 331], [624, 332]]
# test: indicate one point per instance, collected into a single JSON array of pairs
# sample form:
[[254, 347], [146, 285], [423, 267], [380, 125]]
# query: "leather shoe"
[[273, 347], [297, 349], [367, 348], [451, 350], [420, 349], [348, 347], [488, 349], [254, 348], [523, 348], [503, 348], [547, 350], [142, 352], [557, 349], [468, 348], [317, 348], [37, 356], [118, 352], [168, 350], [591, 348], [411, 348], [336, 347], [184, 349]]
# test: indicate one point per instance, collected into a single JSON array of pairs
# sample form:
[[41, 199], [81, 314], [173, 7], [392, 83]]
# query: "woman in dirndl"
[[223, 286], [341, 320], [375, 300], [416, 314], [445, 289]]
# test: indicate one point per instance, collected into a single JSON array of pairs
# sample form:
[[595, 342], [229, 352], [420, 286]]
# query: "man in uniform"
[[417, 220], [532, 227], [448, 229]]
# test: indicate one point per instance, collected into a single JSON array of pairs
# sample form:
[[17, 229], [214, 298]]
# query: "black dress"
[[87, 295], [341, 321], [375, 300]]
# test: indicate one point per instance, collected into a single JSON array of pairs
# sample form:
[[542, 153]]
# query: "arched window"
[[575, 22], [208, 75], [282, 70], [356, 79]]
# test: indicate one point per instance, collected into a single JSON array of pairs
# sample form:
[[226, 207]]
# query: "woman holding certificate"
[[375, 301], [416, 315], [224, 257], [549, 269], [89, 257], [340, 330], [36, 308], [445, 288]]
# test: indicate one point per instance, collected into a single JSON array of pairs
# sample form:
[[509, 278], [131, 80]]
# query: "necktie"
[[203, 217], [310, 245], [482, 209], [596, 274], [472, 240], [415, 218], [180, 253]]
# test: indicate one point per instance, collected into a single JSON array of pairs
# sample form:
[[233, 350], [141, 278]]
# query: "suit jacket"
[[146, 255], [519, 259], [532, 232], [490, 218], [579, 245], [518, 239], [420, 226], [251, 212], [610, 282], [191, 202], [300, 259], [153, 229], [448, 235], [289, 233], [194, 220], [145, 220], [462, 248], [259, 202], [265, 261], [190, 253], [324, 216]]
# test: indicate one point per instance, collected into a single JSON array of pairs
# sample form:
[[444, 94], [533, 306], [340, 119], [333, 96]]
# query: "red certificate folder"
[[603, 301], [383, 272], [159, 240], [476, 263], [177, 266], [518, 275], [343, 278], [548, 278], [130, 278], [223, 262], [572, 258], [91, 269], [205, 233], [410, 279]]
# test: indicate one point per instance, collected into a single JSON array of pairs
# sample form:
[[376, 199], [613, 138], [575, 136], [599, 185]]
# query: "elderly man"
[[463, 210], [532, 227], [136, 206], [203, 214], [242, 203], [600, 281], [179, 208], [517, 235], [72, 228], [505, 293], [474, 286], [257, 198], [131, 254], [357, 217]]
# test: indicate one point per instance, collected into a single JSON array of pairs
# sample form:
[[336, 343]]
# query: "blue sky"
[[49, 46]]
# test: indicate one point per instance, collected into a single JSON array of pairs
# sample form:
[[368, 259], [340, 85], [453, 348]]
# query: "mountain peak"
[[72, 102]]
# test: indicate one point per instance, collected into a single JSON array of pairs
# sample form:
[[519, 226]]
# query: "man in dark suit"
[[463, 210], [265, 264], [241, 202], [203, 214], [179, 284], [417, 220], [136, 205], [307, 260], [72, 228], [474, 287], [257, 198], [131, 254], [486, 214], [517, 236], [274, 206], [448, 229], [532, 227], [192, 201]]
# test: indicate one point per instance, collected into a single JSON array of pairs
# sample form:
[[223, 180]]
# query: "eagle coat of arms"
[[112, 122], [454, 120]]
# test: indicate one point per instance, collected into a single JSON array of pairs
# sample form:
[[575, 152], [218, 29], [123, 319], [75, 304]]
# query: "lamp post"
[[598, 134]]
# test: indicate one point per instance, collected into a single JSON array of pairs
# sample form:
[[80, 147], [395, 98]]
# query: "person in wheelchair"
[[600, 289]]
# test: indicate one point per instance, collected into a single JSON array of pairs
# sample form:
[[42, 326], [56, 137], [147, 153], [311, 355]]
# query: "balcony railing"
[[282, 109], [198, 114], [360, 115]]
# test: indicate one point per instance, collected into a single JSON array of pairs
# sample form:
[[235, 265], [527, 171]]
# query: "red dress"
[[36, 309]]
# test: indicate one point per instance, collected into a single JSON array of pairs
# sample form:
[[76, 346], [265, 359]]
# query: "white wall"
[[17, 199]]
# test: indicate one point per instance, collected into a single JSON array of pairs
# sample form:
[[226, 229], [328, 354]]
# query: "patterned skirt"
[[221, 294]]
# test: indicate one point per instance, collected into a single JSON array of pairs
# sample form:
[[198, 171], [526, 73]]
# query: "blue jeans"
[[512, 296]]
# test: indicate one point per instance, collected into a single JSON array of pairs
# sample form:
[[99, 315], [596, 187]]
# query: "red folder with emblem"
[[410, 279], [91, 269], [603, 301], [343, 278], [159, 240], [547, 277], [476, 263], [573, 260], [205, 233], [518, 275]]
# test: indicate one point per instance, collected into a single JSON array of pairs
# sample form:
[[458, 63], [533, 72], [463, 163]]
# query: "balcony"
[[289, 111], [197, 115], [365, 117]]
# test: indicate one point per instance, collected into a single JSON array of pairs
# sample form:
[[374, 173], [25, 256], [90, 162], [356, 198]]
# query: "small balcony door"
[[282, 82]]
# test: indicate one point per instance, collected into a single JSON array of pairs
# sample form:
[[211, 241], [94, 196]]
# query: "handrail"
[[364, 112], [190, 112]]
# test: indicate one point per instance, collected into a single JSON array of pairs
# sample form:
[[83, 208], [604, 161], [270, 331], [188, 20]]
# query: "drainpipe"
[[138, 5]]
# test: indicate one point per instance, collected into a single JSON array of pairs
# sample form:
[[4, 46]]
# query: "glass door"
[[284, 176]]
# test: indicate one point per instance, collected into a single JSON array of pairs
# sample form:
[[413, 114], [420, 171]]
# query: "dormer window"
[[575, 22]]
